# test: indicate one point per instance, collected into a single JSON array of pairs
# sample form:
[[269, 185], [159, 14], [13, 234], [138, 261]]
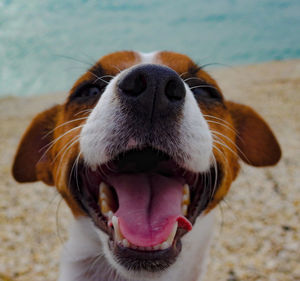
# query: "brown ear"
[[32, 162], [257, 144]]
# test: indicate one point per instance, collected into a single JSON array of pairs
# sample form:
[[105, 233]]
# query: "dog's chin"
[[113, 195]]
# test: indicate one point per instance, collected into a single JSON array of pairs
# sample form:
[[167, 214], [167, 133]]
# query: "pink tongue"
[[149, 206]]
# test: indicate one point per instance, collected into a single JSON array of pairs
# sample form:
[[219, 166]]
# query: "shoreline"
[[257, 230]]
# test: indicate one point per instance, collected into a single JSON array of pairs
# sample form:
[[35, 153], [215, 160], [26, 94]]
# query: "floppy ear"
[[32, 162], [257, 144]]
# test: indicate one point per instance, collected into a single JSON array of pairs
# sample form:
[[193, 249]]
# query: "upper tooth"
[[186, 189], [104, 207], [104, 198], [185, 199]]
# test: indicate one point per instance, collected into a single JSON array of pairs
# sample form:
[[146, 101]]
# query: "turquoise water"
[[46, 45]]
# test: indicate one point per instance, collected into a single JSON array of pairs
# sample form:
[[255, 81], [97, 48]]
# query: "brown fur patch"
[[178, 62], [114, 63]]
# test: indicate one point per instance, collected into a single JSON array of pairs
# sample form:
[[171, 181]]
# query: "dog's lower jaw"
[[85, 257]]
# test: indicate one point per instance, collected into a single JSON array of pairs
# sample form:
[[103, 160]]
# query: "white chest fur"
[[84, 259]]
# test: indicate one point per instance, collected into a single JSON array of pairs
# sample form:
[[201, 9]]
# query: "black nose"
[[153, 90]]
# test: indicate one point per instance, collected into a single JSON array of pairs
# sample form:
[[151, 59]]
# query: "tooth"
[[104, 198], [118, 235], [185, 199], [186, 194], [172, 234], [184, 209], [125, 243], [165, 245], [109, 215], [186, 189], [104, 207], [104, 188]]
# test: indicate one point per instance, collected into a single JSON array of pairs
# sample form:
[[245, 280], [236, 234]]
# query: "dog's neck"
[[83, 256]]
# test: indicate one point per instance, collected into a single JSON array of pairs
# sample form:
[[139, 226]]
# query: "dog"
[[142, 151]]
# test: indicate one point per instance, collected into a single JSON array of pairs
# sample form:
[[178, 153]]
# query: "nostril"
[[175, 90], [133, 86]]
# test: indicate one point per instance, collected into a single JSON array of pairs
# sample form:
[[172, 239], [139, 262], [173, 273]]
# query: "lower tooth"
[[118, 235], [172, 234], [125, 243], [109, 215], [164, 245]]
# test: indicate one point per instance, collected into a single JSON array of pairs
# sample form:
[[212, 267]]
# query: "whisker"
[[224, 125], [72, 169], [224, 157], [76, 170], [193, 78], [226, 146], [52, 143], [215, 63], [97, 258], [62, 157], [65, 147], [230, 140], [204, 86], [83, 111], [117, 68], [74, 59], [64, 124], [216, 176], [217, 118], [183, 74], [99, 78]]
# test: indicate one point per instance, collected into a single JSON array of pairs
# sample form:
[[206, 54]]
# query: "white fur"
[[87, 242], [148, 57], [95, 135], [195, 136]]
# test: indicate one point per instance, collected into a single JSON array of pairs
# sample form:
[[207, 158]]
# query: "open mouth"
[[145, 202]]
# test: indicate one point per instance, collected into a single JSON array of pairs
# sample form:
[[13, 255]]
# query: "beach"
[[257, 231]]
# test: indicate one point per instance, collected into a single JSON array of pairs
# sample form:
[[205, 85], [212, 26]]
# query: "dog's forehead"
[[118, 61], [114, 63]]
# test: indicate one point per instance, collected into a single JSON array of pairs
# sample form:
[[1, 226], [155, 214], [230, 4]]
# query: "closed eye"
[[204, 92], [87, 92]]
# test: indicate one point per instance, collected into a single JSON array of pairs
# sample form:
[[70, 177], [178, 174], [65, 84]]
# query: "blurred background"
[[46, 45]]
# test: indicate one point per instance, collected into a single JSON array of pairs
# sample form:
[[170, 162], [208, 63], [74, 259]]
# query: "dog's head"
[[143, 145]]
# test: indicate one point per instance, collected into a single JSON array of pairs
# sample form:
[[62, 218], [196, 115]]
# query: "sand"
[[257, 231]]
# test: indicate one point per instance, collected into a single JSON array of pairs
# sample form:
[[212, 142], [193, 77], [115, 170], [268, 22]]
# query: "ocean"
[[46, 45]]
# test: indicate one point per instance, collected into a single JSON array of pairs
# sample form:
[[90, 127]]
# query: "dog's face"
[[143, 145]]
